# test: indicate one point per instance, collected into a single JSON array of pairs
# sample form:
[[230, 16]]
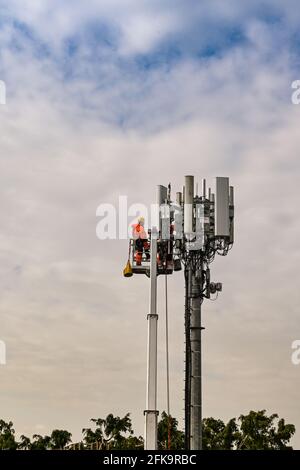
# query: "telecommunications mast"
[[191, 231]]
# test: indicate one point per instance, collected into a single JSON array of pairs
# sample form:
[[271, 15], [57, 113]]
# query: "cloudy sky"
[[113, 97]]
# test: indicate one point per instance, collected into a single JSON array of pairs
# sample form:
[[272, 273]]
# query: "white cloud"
[[141, 24], [141, 33], [75, 330]]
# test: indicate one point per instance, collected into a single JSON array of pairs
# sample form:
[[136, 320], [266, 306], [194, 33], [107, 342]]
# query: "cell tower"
[[190, 232]]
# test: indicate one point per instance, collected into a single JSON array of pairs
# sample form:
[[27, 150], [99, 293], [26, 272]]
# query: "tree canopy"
[[253, 431]]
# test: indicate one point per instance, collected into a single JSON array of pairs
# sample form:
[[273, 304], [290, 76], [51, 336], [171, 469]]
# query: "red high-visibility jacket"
[[138, 231]]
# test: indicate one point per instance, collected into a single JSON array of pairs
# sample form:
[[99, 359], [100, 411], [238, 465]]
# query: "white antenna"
[[188, 205]]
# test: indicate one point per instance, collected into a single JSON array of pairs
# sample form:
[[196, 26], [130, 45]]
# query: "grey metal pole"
[[187, 398], [151, 412], [196, 379], [167, 346]]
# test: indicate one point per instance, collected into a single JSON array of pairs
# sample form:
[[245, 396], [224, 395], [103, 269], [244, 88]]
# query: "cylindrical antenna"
[[231, 196], [209, 194], [188, 205], [161, 198], [204, 188], [179, 198], [183, 194], [162, 194], [196, 189], [169, 193]]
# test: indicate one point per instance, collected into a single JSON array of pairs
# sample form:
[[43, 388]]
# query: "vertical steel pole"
[[196, 380], [167, 363], [187, 326], [151, 412]]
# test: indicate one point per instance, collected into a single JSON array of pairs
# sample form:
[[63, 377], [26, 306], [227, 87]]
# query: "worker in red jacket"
[[141, 241]]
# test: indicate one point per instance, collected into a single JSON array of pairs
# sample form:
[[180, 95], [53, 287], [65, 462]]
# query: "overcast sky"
[[113, 97]]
